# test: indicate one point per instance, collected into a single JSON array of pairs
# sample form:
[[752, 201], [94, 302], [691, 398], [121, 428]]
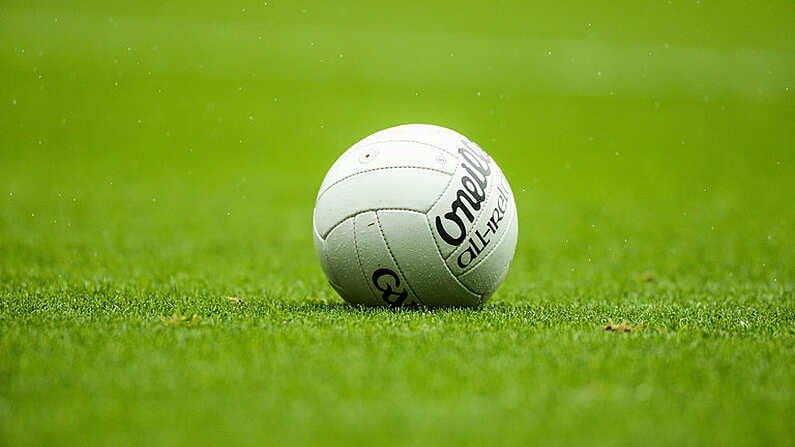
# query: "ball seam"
[[320, 194], [359, 260], [342, 221], [411, 141]]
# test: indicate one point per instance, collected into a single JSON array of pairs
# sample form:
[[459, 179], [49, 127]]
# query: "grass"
[[156, 160]]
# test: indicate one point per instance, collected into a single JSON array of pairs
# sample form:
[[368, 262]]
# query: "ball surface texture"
[[415, 215]]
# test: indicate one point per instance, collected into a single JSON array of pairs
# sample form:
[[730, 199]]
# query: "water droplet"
[[618, 153], [154, 199], [341, 56], [251, 117], [599, 74], [243, 10], [549, 52], [275, 99], [478, 93], [13, 102]]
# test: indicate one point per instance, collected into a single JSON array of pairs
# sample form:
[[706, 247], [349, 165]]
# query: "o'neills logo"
[[452, 226], [469, 196]]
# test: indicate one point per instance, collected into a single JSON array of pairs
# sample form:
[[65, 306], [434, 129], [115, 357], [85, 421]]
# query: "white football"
[[415, 215]]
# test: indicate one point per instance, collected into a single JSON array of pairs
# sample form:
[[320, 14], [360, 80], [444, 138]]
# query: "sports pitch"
[[159, 165]]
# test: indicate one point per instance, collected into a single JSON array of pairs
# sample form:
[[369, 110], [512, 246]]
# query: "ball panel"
[[362, 158], [405, 188], [489, 273], [384, 278], [337, 254], [410, 242]]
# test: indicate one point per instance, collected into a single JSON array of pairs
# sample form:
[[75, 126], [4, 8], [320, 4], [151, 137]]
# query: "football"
[[415, 215]]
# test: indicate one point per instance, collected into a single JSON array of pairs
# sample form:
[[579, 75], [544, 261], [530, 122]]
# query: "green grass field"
[[156, 158]]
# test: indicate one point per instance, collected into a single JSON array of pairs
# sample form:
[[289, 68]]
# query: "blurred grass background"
[[157, 156]]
